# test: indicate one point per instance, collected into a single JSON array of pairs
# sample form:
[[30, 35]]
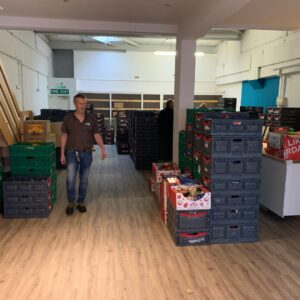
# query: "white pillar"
[[184, 87]]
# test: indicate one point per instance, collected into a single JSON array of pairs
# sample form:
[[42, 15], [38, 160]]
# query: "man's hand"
[[103, 155], [63, 160]]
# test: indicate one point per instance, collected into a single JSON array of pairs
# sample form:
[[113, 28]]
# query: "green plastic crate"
[[181, 136], [34, 161], [31, 149], [181, 165], [188, 163], [196, 172], [32, 171]]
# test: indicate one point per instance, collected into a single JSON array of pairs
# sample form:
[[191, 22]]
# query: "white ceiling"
[[86, 42], [147, 11], [186, 18], [267, 14]]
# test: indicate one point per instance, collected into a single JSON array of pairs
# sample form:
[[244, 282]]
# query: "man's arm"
[[99, 142], [63, 142]]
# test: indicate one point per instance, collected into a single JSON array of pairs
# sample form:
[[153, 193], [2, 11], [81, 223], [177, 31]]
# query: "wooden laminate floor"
[[120, 249]]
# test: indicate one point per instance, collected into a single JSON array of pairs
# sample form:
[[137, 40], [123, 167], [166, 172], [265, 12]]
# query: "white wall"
[[27, 60], [137, 72], [62, 102], [259, 55]]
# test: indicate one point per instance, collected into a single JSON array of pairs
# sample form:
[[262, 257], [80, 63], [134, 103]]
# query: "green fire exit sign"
[[59, 92]]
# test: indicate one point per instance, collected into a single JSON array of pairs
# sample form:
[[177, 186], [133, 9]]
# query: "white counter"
[[280, 186]]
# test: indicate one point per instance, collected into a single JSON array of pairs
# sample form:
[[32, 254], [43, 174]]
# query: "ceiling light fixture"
[[167, 53], [199, 53], [107, 39]]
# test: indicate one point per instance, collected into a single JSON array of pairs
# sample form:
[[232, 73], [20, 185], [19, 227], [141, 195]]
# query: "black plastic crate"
[[290, 111], [28, 197], [234, 215], [190, 219], [230, 184], [256, 109], [229, 146], [233, 233], [199, 117], [188, 237], [237, 167], [20, 184], [25, 212], [239, 199], [230, 127]]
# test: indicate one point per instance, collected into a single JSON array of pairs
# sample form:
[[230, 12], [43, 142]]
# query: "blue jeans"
[[81, 162]]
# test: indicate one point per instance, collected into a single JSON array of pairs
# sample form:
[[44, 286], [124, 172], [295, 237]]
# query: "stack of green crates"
[[34, 159], [188, 164], [181, 150], [196, 170]]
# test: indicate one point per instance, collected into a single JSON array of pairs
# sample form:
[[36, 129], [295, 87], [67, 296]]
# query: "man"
[[165, 126], [79, 130]]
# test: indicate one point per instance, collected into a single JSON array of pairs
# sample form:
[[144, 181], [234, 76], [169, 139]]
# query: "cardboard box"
[[164, 169], [164, 195], [40, 138], [157, 191], [185, 197], [37, 127], [56, 129], [284, 146]]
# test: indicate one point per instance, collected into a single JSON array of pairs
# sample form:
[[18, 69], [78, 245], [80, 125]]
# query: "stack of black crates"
[[283, 117], [53, 115], [109, 135], [89, 108], [255, 112], [144, 139], [122, 133], [30, 192], [100, 121], [230, 162]]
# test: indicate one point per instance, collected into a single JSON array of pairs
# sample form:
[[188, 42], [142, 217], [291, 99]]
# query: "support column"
[[184, 87]]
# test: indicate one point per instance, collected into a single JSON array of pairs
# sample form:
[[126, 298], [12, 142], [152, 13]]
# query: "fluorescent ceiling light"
[[107, 39], [169, 53], [199, 53]]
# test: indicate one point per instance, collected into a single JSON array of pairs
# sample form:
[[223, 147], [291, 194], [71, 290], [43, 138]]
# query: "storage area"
[[218, 219]]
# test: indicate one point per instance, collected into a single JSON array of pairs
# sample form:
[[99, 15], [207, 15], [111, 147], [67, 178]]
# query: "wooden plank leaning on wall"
[[11, 118]]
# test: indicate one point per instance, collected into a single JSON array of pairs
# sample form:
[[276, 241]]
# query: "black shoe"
[[81, 208], [70, 209]]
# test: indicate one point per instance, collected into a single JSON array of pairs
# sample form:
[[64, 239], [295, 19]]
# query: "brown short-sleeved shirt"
[[80, 135]]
